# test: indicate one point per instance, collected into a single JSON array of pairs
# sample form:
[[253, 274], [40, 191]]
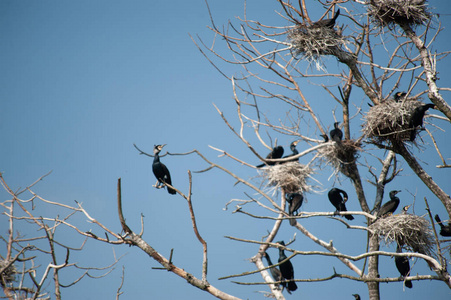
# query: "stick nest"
[[388, 12], [389, 121], [313, 41], [412, 232], [340, 155], [290, 177], [9, 275]]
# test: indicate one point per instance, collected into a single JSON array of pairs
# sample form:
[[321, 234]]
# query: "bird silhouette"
[[295, 200], [277, 152], [338, 201], [160, 171], [389, 207]]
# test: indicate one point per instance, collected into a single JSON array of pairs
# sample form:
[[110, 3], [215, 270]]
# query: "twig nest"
[[9, 275], [387, 12], [409, 231], [291, 177], [389, 121], [313, 41], [340, 155]]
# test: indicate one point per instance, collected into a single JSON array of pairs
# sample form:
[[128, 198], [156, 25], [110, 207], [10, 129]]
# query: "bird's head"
[[281, 243], [399, 95], [295, 143], [336, 124], [393, 193], [345, 199], [158, 148], [406, 208], [325, 137]]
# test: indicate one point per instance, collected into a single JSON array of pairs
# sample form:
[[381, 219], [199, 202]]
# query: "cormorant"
[[399, 95], [325, 137], [294, 150], [276, 152], [417, 119], [295, 200], [160, 171], [337, 200], [286, 269], [327, 22], [336, 134], [445, 230], [389, 207], [356, 296], [403, 266], [275, 273]]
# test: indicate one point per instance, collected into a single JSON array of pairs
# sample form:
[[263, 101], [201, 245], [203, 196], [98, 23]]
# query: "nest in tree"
[[340, 155], [387, 12], [409, 231], [389, 121], [9, 275], [290, 177], [313, 41]]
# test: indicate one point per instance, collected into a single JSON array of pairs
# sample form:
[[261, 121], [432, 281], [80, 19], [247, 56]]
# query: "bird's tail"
[[408, 284], [413, 133], [349, 217], [337, 14], [292, 286], [260, 166], [293, 222], [437, 218], [171, 191]]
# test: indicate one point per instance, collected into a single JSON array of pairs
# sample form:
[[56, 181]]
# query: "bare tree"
[[277, 63]]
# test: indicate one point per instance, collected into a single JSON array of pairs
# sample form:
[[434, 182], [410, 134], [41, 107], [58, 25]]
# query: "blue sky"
[[82, 81]]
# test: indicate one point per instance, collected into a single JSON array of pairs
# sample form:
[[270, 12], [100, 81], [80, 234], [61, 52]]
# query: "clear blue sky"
[[82, 81]]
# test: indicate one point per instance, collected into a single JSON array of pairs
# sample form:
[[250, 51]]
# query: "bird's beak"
[[408, 206], [163, 146]]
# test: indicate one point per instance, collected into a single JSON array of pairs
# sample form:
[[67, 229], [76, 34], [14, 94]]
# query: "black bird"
[[295, 200], [336, 134], [160, 171], [276, 152], [337, 200], [286, 269], [325, 137], [417, 119], [399, 95], [294, 150], [327, 22], [275, 273], [403, 266], [356, 296], [389, 207], [445, 230]]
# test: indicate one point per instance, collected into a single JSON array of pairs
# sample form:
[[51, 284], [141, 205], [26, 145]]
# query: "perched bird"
[[325, 137], [399, 95], [403, 266], [286, 269], [276, 152], [336, 134], [445, 230], [275, 273], [389, 207], [160, 171], [356, 296], [294, 150], [330, 23], [338, 201], [295, 200], [416, 119]]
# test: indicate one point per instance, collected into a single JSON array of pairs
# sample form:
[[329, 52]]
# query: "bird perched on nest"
[[416, 119], [275, 273], [295, 200], [399, 95], [160, 171], [403, 266], [445, 230], [336, 134], [293, 150], [338, 201], [330, 23], [276, 152], [389, 207], [287, 270]]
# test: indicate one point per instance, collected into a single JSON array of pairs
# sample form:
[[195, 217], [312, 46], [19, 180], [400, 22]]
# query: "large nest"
[[340, 155], [409, 231], [290, 177], [388, 12], [389, 121], [313, 41], [9, 275]]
